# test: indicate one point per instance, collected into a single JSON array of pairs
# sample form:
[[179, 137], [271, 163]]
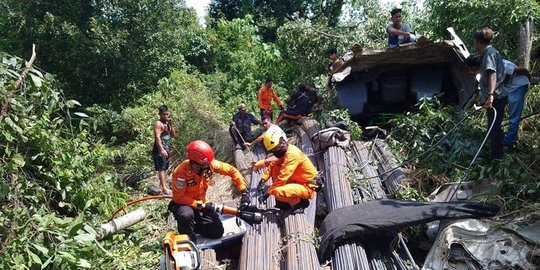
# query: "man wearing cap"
[[398, 33], [240, 128]]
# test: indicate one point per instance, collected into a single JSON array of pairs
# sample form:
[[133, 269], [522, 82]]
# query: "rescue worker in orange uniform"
[[190, 181], [265, 96], [294, 176]]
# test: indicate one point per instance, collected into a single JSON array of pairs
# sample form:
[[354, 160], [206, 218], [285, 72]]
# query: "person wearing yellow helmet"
[[292, 173]]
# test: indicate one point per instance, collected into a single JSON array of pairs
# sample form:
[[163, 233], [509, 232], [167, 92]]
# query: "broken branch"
[[11, 93]]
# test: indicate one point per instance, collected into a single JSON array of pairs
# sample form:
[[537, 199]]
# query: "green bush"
[[194, 109], [415, 133], [52, 175]]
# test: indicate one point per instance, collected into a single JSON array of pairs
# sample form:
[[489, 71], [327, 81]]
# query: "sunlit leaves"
[[468, 16], [46, 170]]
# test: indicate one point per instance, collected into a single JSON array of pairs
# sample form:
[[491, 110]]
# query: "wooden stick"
[[11, 93]]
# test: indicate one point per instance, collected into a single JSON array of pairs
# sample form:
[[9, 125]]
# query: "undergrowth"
[[516, 176]]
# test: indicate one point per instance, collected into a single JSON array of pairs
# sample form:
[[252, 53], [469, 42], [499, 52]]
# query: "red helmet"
[[200, 152]]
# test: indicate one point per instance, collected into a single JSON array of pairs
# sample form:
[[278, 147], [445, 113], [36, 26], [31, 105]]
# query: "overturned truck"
[[374, 82]]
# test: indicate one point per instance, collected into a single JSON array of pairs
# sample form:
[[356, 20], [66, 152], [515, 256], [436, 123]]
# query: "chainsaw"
[[182, 253]]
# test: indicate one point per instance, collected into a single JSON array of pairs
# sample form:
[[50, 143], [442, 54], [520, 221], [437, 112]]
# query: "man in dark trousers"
[[302, 102], [493, 97], [240, 128], [191, 179], [163, 131]]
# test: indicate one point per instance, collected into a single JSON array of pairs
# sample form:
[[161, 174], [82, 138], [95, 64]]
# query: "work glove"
[[261, 187], [208, 207], [281, 107], [259, 165], [263, 198], [245, 200]]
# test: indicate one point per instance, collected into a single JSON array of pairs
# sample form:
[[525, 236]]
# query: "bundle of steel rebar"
[[261, 243], [304, 143], [298, 229], [362, 166], [338, 194], [391, 175], [298, 239], [381, 255]]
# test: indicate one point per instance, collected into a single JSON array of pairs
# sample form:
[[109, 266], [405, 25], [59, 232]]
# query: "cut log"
[[121, 223]]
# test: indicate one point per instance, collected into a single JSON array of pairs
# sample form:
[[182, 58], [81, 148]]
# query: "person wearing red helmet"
[[190, 181]]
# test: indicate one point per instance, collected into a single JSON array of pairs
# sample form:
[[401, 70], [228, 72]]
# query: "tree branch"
[[11, 93], [326, 34]]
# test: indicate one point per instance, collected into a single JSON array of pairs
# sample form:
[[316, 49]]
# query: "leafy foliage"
[[416, 133], [102, 51], [242, 62], [52, 175], [270, 15], [467, 17], [57, 176]]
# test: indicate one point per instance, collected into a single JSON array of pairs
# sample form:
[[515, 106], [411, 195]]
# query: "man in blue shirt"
[[240, 128], [516, 84], [398, 33]]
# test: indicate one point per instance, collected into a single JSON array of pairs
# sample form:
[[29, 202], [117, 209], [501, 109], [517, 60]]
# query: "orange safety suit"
[[265, 97], [293, 176], [190, 188]]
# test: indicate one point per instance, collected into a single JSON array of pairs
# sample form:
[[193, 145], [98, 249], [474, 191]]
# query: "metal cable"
[[425, 152], [468, 170]]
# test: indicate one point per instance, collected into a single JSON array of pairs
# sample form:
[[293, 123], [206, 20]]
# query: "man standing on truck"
[[191, 179], [163, 131], [398, 33]]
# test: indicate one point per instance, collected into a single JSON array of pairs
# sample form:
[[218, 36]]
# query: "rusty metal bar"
[[391, 175], [298, 229], [362, 166], [338, 194], [260, 245]]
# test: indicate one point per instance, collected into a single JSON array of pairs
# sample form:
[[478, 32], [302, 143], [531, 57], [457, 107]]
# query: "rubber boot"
[[299, 207]]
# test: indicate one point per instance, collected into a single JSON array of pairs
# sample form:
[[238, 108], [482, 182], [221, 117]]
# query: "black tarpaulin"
[[381, 216]]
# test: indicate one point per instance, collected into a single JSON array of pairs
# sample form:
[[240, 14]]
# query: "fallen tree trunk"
[[121, 223]]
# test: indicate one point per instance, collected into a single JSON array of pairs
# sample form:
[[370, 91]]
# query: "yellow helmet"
[[272, 137]]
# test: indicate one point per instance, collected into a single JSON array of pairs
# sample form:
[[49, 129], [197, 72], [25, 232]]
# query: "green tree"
[[54, 178], [270, 15], [103, 51], [504, 17], [242, 61]]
